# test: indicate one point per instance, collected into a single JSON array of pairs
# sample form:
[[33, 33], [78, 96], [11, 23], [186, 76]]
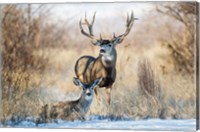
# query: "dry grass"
[[176, 98], [175, 95]]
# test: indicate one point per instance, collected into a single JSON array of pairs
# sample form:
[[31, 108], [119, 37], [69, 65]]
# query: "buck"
[[88, 68], [70, 110]]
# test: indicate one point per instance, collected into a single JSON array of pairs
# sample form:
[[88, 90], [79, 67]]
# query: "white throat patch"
[[107, 59], [88, 98]]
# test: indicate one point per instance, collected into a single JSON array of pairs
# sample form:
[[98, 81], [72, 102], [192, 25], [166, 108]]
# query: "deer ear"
[[97, 82], [77, 82]]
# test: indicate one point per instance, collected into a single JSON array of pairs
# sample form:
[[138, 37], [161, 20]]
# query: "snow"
[[97, 122]]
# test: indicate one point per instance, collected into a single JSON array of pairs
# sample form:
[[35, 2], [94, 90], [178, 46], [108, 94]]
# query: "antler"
[[129, 24], [89, 25], [115, 40]]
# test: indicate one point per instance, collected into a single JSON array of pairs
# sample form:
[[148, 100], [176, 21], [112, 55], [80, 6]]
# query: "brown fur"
[[88, 69], [61, 110], [70, 110]]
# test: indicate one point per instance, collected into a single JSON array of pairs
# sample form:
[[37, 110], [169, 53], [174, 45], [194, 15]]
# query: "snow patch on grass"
[[103, 122]]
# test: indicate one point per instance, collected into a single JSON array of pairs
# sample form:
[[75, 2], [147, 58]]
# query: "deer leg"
[[109, 96], [98, 99]]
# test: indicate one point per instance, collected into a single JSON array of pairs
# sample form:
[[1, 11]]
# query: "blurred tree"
[[182, 44], [19, 39]]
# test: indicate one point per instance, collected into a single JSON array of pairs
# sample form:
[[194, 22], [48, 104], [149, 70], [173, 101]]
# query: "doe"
[[70, 110]]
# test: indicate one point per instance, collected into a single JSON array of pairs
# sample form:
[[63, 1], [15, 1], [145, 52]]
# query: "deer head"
[[107, 46], [88, 89]]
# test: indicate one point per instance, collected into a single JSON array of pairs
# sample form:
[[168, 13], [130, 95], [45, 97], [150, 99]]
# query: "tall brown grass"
[[182, 43], [21, 68], [38, 67]]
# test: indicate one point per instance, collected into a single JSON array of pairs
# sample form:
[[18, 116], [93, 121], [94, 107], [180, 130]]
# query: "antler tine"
[[93, 18], [83, 32], [114, 35], [127, 20], [100, 37], [86, 21], [90, 34], [129, 23]]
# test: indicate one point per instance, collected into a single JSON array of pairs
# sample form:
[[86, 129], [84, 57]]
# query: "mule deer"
[[88, 68], [70, 110]]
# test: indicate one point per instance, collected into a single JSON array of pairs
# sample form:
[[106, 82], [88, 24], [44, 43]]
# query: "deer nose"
[[102, 51], [88, 94]]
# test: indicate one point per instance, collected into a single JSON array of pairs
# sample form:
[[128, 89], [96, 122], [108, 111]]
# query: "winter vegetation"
[[156, 62]]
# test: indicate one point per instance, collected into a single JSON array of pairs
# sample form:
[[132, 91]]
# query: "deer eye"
[[109, 45], [91, 88]]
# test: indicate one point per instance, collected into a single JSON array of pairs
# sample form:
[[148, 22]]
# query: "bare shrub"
[[148, 82], [21, 67], [149, 86], [181, 42]]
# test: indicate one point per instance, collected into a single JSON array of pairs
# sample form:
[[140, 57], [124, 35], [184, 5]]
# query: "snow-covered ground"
[[104, 123]]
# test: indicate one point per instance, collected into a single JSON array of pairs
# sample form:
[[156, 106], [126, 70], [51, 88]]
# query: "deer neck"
[[109, 59], [84, 104]]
